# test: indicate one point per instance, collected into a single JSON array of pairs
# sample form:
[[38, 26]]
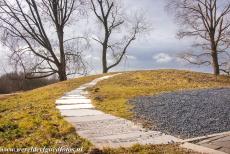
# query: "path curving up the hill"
[[101, 129], [104, 130]]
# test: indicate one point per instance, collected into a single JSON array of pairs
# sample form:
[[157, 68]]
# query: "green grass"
[[30, 119], [112, 95]]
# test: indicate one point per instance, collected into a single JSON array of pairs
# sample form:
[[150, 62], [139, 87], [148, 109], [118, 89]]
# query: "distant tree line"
[[16, 82]]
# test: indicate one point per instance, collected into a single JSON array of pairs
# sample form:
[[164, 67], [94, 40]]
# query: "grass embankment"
[[112, 95], [30, 119]]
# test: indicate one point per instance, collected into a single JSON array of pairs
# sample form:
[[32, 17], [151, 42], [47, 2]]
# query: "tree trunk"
[[62, 67], [104, 53], [215, 64], [104, 61], [62, 72], [214, 53], [62, 75]]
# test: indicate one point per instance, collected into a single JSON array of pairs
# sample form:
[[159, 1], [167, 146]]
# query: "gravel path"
[[187, 113]]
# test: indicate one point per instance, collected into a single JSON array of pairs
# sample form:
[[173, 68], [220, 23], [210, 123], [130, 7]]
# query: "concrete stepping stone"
[[77, 106], [105, 124], [111, 130], [90, 118], [80, 112], [220, 141], [82, 87], [73, 101], [161, 139], [132, 138], [108, 131], [73, 97], [74, 92], [84, 93], [135, 135]]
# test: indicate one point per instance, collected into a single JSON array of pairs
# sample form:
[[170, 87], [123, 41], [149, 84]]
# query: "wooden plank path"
[[105, 130], [219, 141]]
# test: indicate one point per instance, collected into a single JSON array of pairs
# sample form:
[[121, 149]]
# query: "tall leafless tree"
[[111, 17], [209, 22], [34, 31]]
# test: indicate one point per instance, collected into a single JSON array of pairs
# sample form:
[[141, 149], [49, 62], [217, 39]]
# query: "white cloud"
[[96, 58], [180, 60], [110, 61], [91, 57], [88, 57], [130, 57], [162, 58]]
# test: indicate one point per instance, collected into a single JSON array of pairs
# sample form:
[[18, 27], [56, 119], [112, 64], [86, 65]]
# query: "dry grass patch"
[[30, 119]]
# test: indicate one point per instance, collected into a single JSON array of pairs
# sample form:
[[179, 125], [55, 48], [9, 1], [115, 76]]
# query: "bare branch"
[[111, 17], [206, 20], [25, 32]]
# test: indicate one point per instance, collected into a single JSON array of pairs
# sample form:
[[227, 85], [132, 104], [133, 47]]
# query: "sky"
[[158, 49]]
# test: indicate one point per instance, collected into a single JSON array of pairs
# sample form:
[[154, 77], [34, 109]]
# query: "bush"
[[14, 82]]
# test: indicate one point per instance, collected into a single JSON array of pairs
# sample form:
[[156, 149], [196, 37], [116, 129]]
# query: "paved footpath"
[[105, 130], [219, 141]]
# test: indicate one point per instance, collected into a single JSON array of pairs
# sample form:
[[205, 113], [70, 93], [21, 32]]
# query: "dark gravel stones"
[[187, 113]]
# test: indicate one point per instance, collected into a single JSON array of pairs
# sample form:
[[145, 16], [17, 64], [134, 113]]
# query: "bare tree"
[[112, 18], [34, 31], [209, 22]]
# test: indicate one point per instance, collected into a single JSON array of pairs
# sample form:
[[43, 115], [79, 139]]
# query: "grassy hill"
[[30, 119]]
